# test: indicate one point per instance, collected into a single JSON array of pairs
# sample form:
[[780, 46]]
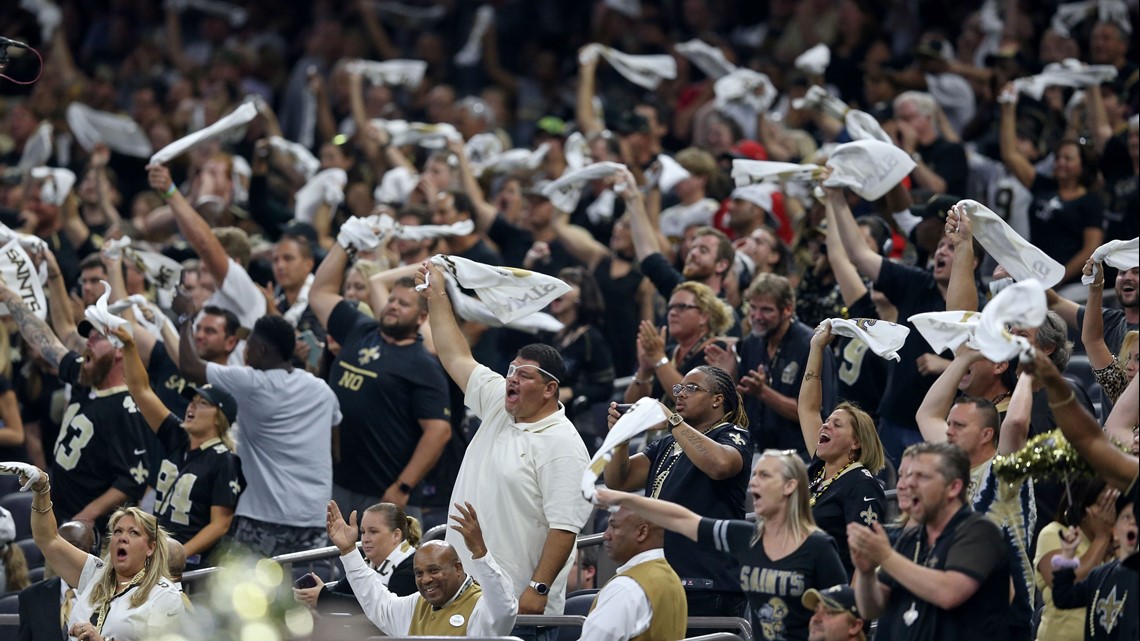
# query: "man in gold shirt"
[[450, 602], [644, 601]]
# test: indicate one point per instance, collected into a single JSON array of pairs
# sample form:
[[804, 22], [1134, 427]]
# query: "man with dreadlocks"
[[703, 464]]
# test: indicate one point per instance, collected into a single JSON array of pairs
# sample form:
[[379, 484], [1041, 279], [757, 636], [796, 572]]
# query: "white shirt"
[[493, 616], [523, 479], [238, 293], [622, 610], [286, 422], [160, 612]]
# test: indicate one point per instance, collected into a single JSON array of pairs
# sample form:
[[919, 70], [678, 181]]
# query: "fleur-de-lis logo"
[[138, 473], [368, 354], [236, 487], [1108, 610], [868, 515]]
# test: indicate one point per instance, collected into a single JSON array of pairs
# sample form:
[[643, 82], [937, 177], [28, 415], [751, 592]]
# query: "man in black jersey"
[[100, 456], [392, 392]]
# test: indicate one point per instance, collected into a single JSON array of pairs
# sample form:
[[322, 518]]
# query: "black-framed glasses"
[[680, 307], [688, 388]]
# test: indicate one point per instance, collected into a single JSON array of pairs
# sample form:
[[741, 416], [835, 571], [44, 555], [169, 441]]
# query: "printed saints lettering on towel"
[[781, 582], [533, 294], [883, 167], [24, 277]]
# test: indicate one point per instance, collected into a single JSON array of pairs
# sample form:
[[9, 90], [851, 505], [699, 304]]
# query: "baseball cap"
[[628, 122], [935, 207], [85, 327], [552, 125], [215, 396], [837, 598]]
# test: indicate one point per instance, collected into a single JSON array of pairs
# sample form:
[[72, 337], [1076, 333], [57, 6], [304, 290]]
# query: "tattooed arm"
[[34, 330]]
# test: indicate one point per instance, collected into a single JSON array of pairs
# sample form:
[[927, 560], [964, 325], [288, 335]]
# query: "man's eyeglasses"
[[512, 368], [688, 388], [680, 307]]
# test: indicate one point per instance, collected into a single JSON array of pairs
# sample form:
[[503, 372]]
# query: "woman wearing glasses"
[[696, 318], [781, 556], [702, 464], [846, 454]]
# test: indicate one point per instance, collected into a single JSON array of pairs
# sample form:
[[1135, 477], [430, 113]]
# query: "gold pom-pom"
[[1046, 455]]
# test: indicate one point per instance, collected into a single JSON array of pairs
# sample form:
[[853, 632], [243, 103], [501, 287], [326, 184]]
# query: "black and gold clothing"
[[775, 587], [191, 482], [852, 496], [1108, 595], [102, 444], [451, 619]]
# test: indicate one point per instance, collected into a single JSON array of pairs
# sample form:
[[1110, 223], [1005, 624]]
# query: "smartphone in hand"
[[305, 582]]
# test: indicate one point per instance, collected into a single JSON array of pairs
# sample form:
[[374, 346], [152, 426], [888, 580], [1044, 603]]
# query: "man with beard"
[[392, 392], [772, 360], [99, 461], [1117, 322]]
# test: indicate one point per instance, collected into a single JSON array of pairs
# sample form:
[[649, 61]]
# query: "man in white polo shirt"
[[524, 465]]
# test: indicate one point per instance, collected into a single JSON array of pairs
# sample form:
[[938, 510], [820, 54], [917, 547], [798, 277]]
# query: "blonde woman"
[[782, 555], [123, 596], [200, 478]]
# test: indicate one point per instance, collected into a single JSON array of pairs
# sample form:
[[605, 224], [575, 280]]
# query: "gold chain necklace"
[[818, 486], [672, 457], [105, 608]]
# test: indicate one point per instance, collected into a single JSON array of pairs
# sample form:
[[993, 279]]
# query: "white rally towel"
[[508, 292], [57, 183], [759, 195], [395, 186], [1121, 254], [37, 150], [818, 98], [163, 272], [666, 175], [884, 338], [390, 227], [514, 160], [418, 133], [394, 73], [1022, 304], [362, 234], [1071, 14], [814, 61], [237, 118], [326, 188], [15, 468], [33, 244], [863, 126], [472, 309], [709, 59], [746, 87], [304, 162], [870, 168], [472, 52], [576, 150], [747, 172], [645, 414], [119, 132], [946, 330], [565, 191], [1070, 73], [47, 14], [644, 71], [480, 147], [19, 274], [103, 320], [1019, 257]]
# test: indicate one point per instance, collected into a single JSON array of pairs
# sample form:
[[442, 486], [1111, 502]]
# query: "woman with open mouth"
[[1112, 371]]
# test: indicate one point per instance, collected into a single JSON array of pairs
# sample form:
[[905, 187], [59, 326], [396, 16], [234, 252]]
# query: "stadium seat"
[[9, 484], [20, 505], [32, 553], [9, 604], [436, 533]]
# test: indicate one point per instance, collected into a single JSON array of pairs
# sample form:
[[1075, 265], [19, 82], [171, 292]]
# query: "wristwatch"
[[674, 420], [664, 361], [405, 488], [541, 588]]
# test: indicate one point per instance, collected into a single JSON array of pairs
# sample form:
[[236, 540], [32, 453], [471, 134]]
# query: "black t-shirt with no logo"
[[384, 391], [774, 588]]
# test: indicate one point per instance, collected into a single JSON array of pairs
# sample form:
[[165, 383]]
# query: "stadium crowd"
[[837, 300]]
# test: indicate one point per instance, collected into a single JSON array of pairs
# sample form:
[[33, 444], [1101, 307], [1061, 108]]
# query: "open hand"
[[342, 534], [467, 524]]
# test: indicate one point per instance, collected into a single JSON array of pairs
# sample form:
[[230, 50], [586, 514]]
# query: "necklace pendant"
[[911, 615]]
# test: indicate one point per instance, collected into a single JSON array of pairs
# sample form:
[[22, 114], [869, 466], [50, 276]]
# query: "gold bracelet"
[[46, 490], [1072, 396], [45, 510], [812, 376]]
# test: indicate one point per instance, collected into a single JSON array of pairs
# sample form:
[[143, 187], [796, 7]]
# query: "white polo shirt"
[[523, 479]]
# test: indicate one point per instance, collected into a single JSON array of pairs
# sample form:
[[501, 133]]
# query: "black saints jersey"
[[102, 444], [191, 482]]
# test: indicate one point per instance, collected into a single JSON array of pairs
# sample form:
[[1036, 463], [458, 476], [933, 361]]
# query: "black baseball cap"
[[837, 598], [215, 396], [85, 327], [935, 207]]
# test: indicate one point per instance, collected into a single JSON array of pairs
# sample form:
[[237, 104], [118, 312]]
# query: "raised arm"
[[191, 365], [192, 226], [35, 331], [1014, 160], [138, 383], [668, 515], [962, 292], [450, 345], [865, 259], [324, 294], [485, 212], [584, 114], [578, 242], [1015, 426], [1092, 330], [64, 558], [931, 414], [811, 389], [851, 286], [59, 306]]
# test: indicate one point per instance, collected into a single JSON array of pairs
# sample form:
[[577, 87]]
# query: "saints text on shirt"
[[781, 582]]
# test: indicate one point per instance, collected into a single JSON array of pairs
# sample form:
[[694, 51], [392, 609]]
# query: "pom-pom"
[[1046, 455]]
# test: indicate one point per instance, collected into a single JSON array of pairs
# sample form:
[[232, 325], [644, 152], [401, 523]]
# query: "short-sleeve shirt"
[[853, 497], [384, 391], [681, 482], [1115, 326], [161, 611], [971, 544], [785, 375], [775, 587], [102, 444], [286, 420], [191, 482], [526, 479], [1058, 226]]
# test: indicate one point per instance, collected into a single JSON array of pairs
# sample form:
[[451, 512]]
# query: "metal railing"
[[738, 623]]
